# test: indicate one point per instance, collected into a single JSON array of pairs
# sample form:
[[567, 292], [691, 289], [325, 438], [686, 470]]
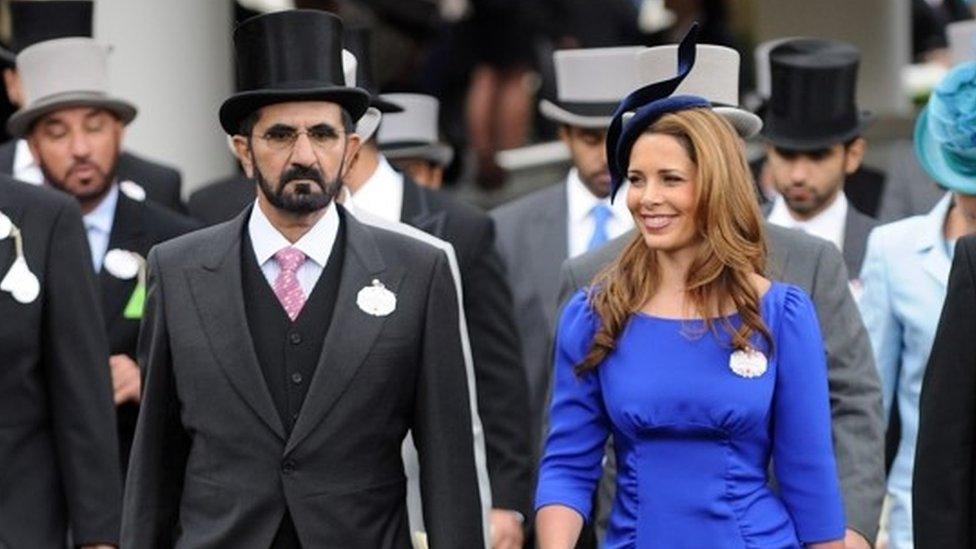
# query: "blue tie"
[[601, 214]]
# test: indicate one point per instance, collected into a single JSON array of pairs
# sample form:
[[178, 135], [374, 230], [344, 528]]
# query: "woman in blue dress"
[[702, 370]]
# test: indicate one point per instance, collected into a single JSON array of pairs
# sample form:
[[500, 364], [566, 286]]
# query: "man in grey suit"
[[855, 390], [286, 353], [813, 131], [538, 232]]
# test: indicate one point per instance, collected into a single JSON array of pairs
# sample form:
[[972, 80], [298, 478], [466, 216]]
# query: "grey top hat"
[[413, 132], [590, 83], [715, 77], [63, 73]]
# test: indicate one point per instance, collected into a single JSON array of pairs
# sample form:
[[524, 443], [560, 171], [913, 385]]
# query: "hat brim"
[[439, 153], [384, 106], [745, 123], [368, 123], [238, 106], [930, 157], [589, 120], [794, 143], [20, 122]]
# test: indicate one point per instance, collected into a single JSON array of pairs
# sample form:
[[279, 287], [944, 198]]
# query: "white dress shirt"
[[25, 168], [316, 244], [580, 221], [98, 225], [829, 224], [382, 194]]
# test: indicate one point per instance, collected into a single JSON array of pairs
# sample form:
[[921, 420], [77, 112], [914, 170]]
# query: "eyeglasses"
[[281, 139]]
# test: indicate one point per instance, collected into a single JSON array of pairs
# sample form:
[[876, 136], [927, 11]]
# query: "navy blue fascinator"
[[646, 105]]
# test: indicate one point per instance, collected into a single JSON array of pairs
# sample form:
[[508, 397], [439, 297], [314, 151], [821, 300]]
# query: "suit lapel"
[[856, 231], [127, 234], [7, 152], [218, 297], [352, 331], [15, 212], [548, 242], [416, 210]]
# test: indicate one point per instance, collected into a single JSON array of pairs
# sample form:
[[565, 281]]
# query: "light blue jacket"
[[904, 277]]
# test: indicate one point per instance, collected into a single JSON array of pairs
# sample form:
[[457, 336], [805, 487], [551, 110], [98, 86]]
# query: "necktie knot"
[[290, 259], [601, 214]]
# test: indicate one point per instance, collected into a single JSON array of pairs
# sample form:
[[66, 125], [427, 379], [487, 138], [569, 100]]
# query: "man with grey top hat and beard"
[[817, 267], [409, 139], [74, 127], [503, 405], [536, 233], [287, 352], [813, 131], [33, 22]]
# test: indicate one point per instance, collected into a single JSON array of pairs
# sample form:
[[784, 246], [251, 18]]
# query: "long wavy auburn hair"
[[732, 244]]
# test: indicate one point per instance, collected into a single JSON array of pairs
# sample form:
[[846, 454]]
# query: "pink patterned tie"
[[286, 285]]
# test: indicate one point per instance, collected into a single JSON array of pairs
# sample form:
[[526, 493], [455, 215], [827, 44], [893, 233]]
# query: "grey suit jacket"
[[909, 190], [212, 464], [856, 231], [533, 242], [816, 266]]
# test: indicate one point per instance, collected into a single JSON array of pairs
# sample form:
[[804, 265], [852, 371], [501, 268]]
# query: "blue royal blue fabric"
[[693, 439]]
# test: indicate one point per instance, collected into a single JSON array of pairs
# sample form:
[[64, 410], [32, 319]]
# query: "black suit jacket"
[[58, 449], [500, 380], [162, 183], [222, 200], [212, 465], [944, 484], [137, 227]]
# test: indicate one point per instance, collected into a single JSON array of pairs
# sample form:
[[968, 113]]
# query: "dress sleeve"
[[578, 426], [803, 457]]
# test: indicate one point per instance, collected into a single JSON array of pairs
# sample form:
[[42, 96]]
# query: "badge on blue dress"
[[376, 300], [19, 281], [748, 363]]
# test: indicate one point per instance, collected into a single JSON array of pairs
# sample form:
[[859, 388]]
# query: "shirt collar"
[[580, 201], [316, 244], [103, 216], [934, 232], [828, 224], [377, 189], [23, 158]]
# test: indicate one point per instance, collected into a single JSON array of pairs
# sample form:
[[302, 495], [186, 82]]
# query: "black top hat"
[[293, 55], [812, 101], [32, 22], [357, 41]]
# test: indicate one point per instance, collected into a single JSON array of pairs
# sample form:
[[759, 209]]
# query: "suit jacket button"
[[295, 338], [288, 467]]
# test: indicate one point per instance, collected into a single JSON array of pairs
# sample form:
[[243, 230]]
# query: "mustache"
[[83, 164], [297, 173]]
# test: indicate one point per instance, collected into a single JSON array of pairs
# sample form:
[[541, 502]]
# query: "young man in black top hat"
[[813, 130], [33, 22], [286, 353]]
